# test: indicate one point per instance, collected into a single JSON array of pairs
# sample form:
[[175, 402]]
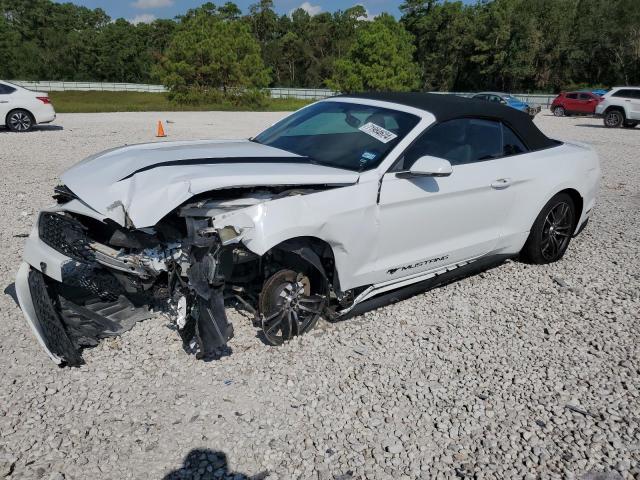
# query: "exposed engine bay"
[[185, 267]]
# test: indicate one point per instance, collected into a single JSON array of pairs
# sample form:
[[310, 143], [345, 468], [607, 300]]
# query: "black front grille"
[[65, 235]]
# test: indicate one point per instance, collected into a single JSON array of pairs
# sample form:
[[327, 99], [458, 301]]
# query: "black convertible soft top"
[[448, 107]]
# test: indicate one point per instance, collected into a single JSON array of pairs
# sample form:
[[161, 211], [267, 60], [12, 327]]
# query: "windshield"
[[342, 135]]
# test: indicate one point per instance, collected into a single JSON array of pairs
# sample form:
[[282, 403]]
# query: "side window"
[[512, 145], [484, 139], [572, 96], [6, 89], [585, 96], [460, 141], [625, 93]]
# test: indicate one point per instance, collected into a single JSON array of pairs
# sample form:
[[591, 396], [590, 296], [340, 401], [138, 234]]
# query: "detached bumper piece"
[[72, 318], [212, 328]]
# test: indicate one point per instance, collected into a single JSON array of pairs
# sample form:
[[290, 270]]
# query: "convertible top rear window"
[[340, 134]]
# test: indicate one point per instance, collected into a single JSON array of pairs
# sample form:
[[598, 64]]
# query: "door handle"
[[4, 101], [501, 183]]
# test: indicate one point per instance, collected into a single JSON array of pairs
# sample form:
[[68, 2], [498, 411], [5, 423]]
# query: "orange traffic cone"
[[160, 133]]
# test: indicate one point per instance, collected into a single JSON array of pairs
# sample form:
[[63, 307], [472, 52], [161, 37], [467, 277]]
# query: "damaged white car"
[[347, 204]]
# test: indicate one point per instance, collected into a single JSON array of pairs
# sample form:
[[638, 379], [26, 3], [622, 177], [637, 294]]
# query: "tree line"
[[508, 45]]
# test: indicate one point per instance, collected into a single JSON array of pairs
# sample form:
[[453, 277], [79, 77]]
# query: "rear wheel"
[[289, 306], [613, 119], [559, 111], [551, 232], [20, 121]]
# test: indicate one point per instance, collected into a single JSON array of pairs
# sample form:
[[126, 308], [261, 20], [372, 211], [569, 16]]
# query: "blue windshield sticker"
[[369, 155]]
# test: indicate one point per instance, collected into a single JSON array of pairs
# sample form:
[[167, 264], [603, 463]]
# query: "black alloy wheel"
[[552, 231], [288, 307], [556, 231]]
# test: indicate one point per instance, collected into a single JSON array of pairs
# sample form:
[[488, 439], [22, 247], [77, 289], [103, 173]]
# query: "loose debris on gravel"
[[520, 372]]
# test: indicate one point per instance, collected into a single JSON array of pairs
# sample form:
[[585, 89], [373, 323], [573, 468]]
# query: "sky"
[[148, 10]]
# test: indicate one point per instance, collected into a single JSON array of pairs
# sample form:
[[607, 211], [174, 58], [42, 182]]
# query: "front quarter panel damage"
[[341, 217], [216, 246]]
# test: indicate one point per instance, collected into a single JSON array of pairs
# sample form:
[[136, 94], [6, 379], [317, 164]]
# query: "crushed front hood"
[[138, 185]]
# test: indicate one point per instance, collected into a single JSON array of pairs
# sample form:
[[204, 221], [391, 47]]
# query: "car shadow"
[[37, 128], [587, 125], [11, 291], [206, 464]]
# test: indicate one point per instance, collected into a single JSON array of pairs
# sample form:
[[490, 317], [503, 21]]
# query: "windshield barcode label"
[[381, 134]]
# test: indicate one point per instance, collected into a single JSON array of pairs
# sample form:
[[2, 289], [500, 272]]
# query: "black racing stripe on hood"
[[219, 161]]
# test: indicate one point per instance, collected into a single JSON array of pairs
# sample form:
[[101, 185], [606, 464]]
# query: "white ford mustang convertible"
[[343, 206]]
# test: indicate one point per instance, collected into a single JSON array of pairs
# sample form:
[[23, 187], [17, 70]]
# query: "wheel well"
[[578, 202], [615, 107], [310, 250]]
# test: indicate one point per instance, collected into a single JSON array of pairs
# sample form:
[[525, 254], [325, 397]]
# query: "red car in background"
[[575, 103]]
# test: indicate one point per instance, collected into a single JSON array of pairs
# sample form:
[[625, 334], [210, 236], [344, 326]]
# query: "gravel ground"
[[520, 372]]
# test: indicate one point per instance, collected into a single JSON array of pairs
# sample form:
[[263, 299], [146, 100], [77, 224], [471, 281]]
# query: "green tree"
[[210, 53], [444, 36], [380, 59]]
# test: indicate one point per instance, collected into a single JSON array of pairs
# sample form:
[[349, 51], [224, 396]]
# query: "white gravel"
[[520, 372]]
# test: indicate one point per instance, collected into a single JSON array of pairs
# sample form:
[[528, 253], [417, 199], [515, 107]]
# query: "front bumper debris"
[[62, 326], [74, 292]]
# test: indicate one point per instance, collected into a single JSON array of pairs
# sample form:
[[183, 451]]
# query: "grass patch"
[[99, 102]]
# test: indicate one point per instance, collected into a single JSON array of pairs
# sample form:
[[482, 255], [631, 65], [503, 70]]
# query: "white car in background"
[[620, 107], [343, 206], [21, 109]]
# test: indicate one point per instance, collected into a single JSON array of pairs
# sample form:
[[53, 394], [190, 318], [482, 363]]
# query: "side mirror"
[[428, 166]]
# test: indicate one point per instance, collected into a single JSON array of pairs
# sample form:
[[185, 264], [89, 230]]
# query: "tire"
[[630, 124], [288, 306], [20, 121], [613, 119], [559, 111], [551, 232]]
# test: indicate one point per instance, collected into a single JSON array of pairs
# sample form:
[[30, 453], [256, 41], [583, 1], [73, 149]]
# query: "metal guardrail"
[[52, 86], [535, 100], [301, 93]]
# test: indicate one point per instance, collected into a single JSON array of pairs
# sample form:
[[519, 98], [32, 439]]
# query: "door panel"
[[634, 110], [427, 223], [586, 103], [571, 102], [5, 106]]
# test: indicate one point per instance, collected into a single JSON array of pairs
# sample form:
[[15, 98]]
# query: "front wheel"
[[551, 232], [20, 121], [289, 305], [613, 119], [559, 111]]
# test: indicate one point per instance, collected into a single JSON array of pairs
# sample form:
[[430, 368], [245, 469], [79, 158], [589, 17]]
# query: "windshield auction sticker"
[[381, 134]]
